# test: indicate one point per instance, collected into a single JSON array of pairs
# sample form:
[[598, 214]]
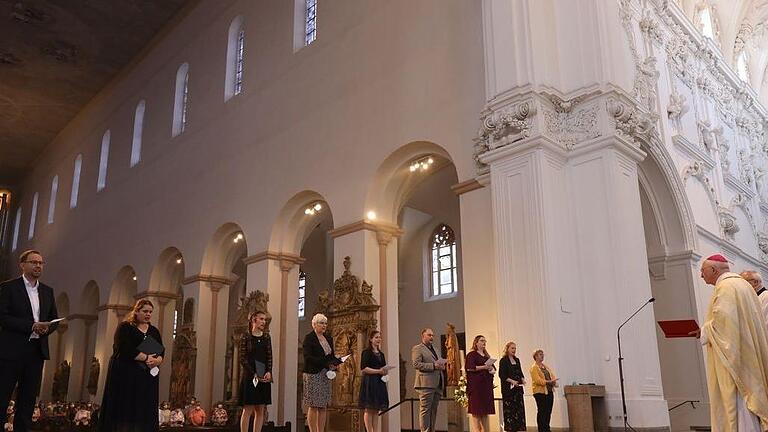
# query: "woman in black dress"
[[512, 382], [131, 391], [256, 360], [373, 389]]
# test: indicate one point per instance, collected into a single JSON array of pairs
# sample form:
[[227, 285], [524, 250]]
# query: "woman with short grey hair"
[[319, 359]]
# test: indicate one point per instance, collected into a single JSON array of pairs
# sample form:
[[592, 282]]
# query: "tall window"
[[443, 246], [16, 226], [52, 203], [742, 65], [103, 161], [310, 22], [235, 58], [33, 216], [181, 100], [302, 293], [705, 23], [76, 181], [138, 130]]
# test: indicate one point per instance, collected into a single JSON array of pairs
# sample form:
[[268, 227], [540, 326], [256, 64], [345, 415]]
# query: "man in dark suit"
[[26, 309]]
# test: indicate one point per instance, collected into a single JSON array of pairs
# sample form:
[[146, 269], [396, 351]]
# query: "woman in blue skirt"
[[373, 389]]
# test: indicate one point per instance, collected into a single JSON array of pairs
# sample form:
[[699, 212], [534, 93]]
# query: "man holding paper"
[[27, 309], [429, 379], [736, 346]]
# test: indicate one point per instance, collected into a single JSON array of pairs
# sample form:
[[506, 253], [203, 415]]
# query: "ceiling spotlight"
[[371, 215], [238, 237], [422, 164], [179, 260], [313, 208], [134, 277]]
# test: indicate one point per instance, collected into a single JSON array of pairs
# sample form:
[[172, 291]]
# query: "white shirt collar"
[[29, 284]]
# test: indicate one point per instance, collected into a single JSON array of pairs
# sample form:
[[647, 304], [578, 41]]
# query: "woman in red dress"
[[479, 385]]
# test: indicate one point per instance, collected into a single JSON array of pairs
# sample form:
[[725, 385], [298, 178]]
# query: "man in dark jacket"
[[27, 308]]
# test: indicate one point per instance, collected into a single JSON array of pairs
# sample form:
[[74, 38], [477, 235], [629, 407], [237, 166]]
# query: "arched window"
[[33, 216], [52, 203], [76, 181], [310, 21], [103, 161], [443, 268], [705, 23], [235, 58], [742, 65], [181, 100], [138, 129], [302, 293], [16, 226]]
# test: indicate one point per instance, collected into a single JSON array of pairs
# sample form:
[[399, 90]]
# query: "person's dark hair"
[[370, 338], [24, 255], [474, 343], [537, 352], [131, 317]]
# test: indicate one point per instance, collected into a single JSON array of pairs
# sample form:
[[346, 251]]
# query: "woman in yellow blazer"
[[543, 383]]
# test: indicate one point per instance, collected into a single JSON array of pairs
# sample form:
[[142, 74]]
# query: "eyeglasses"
[[35, 263]]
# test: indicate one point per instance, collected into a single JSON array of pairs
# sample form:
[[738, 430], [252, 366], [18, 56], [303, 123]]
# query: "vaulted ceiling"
[[55, 55]]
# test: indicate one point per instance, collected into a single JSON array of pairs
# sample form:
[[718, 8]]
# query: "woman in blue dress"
[[373, 389]]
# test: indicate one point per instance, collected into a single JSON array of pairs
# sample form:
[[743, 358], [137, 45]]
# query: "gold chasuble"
[[737, 354]]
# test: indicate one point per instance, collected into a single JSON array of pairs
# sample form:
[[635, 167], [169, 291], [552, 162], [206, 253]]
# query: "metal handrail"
[[692, 402], [412, 400]]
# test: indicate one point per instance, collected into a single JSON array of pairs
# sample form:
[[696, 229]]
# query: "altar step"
[[701, 428]]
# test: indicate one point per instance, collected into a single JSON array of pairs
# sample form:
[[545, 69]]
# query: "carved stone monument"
[[456, 413], [61, 382], [351, 314], [93, 376], [184, 358]]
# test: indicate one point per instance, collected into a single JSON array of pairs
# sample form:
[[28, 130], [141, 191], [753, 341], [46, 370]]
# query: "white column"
[[372, 248]]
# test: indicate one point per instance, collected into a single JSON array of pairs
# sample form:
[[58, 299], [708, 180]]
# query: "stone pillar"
[[210, 293], [80, 326], [372, 246], [277, 274]]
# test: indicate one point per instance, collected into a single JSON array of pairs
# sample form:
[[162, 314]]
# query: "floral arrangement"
[[460, 395]]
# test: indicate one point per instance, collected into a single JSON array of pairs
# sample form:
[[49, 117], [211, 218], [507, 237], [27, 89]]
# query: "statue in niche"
[[351, 312], [61, 382], [189, 312], [453, 355], [183, 365], [93, 376]]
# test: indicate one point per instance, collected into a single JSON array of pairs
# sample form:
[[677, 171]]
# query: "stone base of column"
[[456, 413]]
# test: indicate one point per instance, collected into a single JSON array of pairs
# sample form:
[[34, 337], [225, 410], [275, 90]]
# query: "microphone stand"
[[621, 369]]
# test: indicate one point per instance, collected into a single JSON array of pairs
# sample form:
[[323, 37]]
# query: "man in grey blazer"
[[429, 379]]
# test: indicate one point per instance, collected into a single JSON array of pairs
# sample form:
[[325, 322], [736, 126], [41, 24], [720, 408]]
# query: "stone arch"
[[124, 287], [292, 225], [393, 183], [673, 269], [168, 272], [227, 245]]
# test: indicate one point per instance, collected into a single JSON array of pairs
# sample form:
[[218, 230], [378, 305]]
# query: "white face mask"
[[330, 374]]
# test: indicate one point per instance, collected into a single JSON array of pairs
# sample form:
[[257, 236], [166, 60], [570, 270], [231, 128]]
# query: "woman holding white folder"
[[480, 371], [320, 363], [373, 389]]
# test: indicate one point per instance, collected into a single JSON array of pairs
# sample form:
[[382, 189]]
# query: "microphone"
[[621, 359]]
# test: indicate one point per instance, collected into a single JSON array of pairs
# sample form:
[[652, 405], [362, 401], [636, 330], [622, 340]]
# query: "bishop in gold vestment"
[[736, 345]]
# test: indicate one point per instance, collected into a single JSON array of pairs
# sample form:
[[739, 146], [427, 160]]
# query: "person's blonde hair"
[[319, 317], [131, 316], [506, 347]]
